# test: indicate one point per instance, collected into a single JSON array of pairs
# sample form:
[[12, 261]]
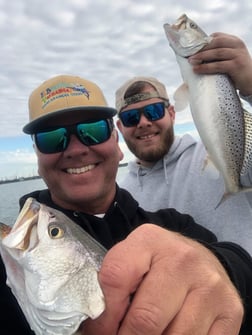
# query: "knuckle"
[[111, 275], [229, 322], [230, 304], [114, 272], [145, 320], [239, 312], [237, 308]]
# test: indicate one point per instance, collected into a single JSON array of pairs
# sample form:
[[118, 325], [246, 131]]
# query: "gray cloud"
[[103, 40]]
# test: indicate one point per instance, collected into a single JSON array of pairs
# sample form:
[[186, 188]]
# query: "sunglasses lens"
[[52, 141], [153, 112], [93, 133], [130, 118], [57, 140]]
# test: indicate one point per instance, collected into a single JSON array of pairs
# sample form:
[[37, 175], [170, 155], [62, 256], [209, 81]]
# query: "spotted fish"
[[224, 126]]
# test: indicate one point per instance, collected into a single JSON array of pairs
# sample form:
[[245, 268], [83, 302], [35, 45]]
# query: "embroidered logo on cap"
[[62, 90]]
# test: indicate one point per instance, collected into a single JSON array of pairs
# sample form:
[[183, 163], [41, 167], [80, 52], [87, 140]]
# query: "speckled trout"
[[224, 126], [52, 266]]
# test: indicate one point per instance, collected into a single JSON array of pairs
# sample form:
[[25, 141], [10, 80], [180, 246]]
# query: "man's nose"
[[143, 121], [75, 146]]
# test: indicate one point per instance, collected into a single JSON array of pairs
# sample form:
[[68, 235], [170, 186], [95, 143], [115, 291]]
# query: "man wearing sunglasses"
[[173, 166], [156, 277]]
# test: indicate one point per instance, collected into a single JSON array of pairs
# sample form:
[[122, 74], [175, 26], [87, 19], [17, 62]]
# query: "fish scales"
[[222, 123], [247, 162], [52, 266]]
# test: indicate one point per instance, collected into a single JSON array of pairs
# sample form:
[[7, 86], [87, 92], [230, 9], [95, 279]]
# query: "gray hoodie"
[[180, 181]]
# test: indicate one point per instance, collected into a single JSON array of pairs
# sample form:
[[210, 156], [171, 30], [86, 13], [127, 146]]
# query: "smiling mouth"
[[81, 169], [146, 137]]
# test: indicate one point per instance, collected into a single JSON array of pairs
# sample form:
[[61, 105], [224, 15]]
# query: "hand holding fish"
[[152, 263], [226, 54]]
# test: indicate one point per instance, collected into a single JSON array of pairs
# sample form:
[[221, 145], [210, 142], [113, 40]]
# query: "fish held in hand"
[[52, 266], [222, 123]]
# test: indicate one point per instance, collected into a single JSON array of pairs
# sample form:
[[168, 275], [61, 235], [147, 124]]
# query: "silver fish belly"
[[52, 266], [219, 117]]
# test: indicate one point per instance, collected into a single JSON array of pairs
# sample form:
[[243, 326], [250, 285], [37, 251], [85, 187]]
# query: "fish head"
[[16, 237], [185, 37], [52, 266]]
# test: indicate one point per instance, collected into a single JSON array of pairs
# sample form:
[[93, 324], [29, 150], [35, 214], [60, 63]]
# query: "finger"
[[214, 310], [163, 290], [221, 47], [214, 61], [205, 313], [150, 313], [224, 67], [176, 288], [213, 56], [108, 323], [229, 319], [194, 315], [120, 274], [225, 326], [222, 40]]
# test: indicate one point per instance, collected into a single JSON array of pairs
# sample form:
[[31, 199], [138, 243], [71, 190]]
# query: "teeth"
[[80, 170], [146, 136]]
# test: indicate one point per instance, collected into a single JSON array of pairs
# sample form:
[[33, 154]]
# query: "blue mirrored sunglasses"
[[152, 112], [55, 140]]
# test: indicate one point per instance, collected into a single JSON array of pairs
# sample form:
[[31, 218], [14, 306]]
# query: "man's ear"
[[115, 134], [119, 125], [172, 112]]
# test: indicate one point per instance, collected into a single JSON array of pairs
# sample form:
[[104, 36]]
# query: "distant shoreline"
[[17, 179]]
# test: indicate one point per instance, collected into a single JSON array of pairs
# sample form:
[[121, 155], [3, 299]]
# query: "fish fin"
[[181, 98], [223, 198], [247, 160], [227, 195], [210, 168], [95, 298]]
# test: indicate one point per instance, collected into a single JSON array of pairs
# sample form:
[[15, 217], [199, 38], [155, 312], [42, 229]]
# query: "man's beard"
[[155, 154]]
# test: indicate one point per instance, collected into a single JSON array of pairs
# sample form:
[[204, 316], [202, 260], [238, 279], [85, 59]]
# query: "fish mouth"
[[4, 230], [180, 24], [81, 170], [19, 235]]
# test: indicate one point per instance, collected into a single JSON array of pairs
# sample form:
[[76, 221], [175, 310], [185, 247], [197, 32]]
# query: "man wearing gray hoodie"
[[168, 170]]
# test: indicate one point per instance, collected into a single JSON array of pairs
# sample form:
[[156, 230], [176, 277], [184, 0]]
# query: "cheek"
[[112, 150], [45, 163], [128, 133]]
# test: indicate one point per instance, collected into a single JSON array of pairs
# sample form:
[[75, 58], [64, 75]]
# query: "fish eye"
[[193, 25], [55, 232]]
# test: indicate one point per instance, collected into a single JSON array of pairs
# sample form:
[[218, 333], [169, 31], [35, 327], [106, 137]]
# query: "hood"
[[179, 146]]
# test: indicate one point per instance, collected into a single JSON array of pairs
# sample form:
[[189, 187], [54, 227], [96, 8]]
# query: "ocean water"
[[11, 192]]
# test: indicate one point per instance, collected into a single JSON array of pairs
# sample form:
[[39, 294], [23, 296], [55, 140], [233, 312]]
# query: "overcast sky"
[[105, 41]]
